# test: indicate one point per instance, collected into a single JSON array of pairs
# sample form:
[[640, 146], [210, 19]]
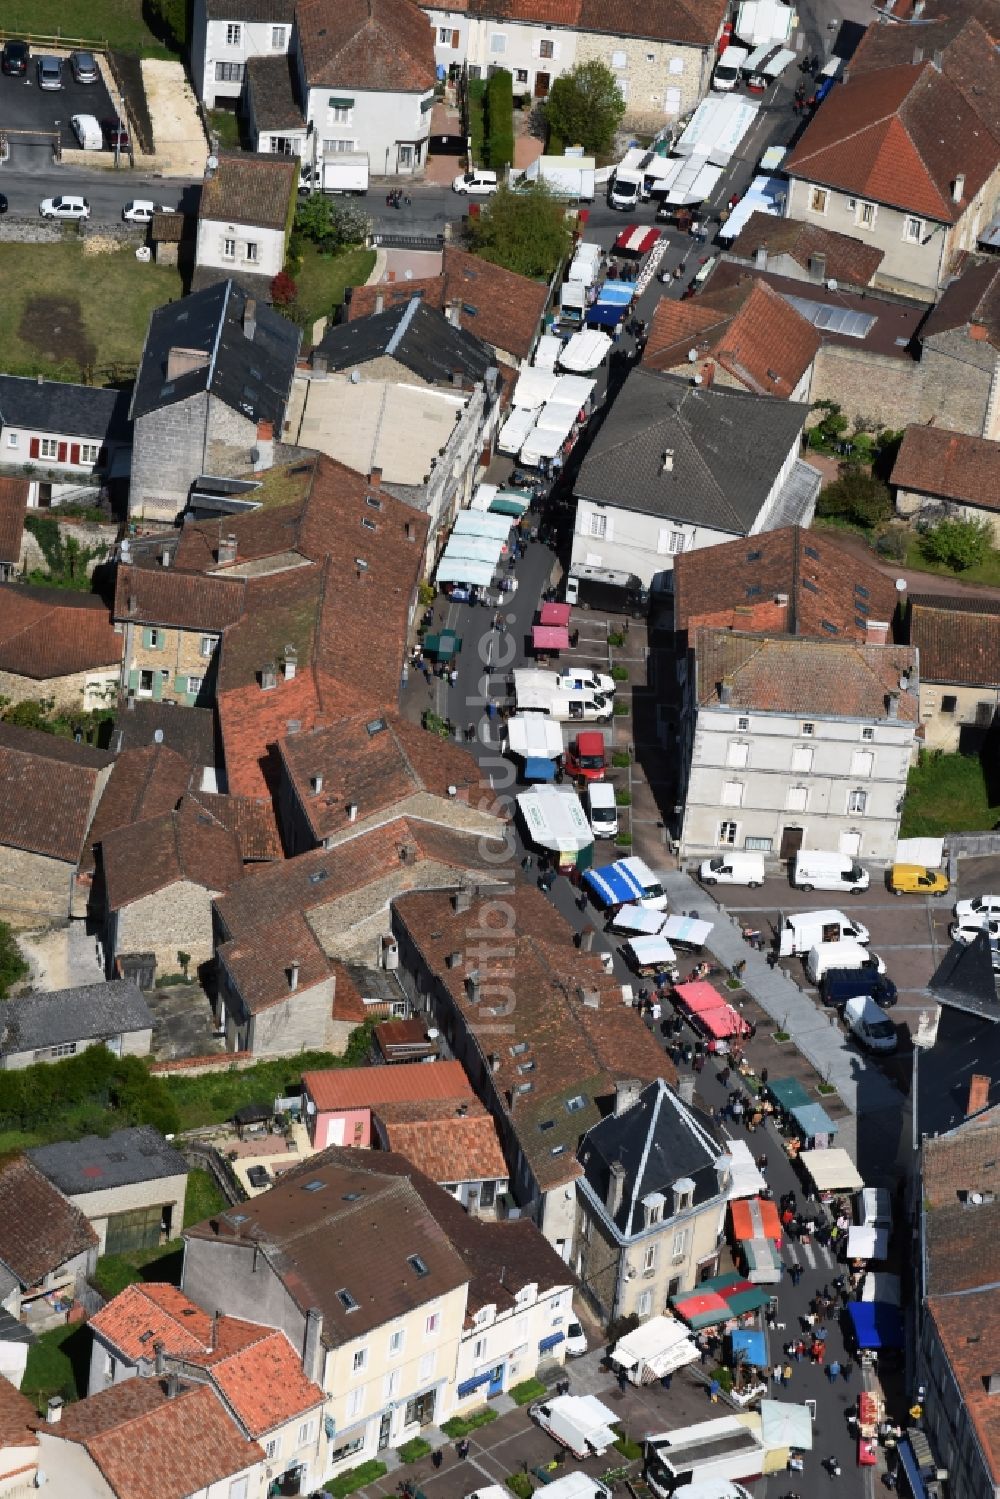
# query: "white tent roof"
[[764, 195], [879, 1285], [476, 523], [464, 570], [541, 444], [547, 352], [651, 950], [662, 1344], [483, 497], [695, 182], [574, 390], [478, 548], [867, 1243], [638, 920], [533, 735], [585, 350], [785, 1425], [534, 387], [558, 416], [746, 1179], [831, 1170], [514, 431], [555, 819]]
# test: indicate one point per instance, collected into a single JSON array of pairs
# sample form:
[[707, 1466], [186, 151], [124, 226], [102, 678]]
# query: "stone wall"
[[84, 690], [179, 655], [301, 1021], [915, 506], [230, 439], [168, 453], [33, 888], [177, 919], [90, 536], [958, 379], [650, 71], [868, 386]]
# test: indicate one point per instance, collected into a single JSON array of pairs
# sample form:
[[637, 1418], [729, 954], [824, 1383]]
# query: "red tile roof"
[[141, 1316], [143, 783], [265, 1385], [13, 507], [251, 819], [735, 585], [40, 1229], [847, 259], [149, 856], [880, 137], [260, 968], [949, 466], [47, 632], [968, 1328], [367, 1087], [749, 330], [789, 674], [449, 1143], [958, 639], [683, 21], [48, 788], [18, 1417], [961, 50], [148, 1445], [380, 45], [164, 596]]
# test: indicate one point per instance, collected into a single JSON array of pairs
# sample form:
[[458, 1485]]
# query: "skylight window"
[[416, 1264], [347, 1301], [316, 1185], [576, 1103]]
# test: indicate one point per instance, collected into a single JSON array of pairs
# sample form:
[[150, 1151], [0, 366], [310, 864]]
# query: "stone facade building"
[[958, 639], [169, 626], [939, 474], [57, 646]]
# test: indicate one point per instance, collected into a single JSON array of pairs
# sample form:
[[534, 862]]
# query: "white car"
[[576, 1340], [966, 930], [141, 210], [586, 680], [475, 184], [981, 908], [64, 208]]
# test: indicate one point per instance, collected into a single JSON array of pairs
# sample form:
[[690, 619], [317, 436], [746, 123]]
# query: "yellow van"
[[915, 879]]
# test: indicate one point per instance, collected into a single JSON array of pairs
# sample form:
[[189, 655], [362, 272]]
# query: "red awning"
[[554, 614], [550, 638], [698, 995], [636, 240]]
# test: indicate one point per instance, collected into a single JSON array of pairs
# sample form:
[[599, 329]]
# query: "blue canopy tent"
[[749, 1346], [876, 1324], [605, 315], [813, 1120], [537, 769], [620, 292], [612, 885]]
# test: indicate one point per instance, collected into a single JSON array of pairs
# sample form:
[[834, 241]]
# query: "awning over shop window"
[[550, 1342]]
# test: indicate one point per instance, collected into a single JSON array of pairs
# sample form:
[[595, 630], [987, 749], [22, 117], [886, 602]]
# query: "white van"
[[87, 130], [819, 870], [733, 869], [805, 929], [728, 68], [867, 1023], [840, 955], [585, 266], [602, 809], [540, 692]]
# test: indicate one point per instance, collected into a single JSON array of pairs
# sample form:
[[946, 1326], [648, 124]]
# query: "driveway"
[[30, 115]]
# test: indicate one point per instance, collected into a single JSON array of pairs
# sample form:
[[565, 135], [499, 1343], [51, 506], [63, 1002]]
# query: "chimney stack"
[[667, 461], [375, 478], [918, 55], [876, 632], [352, 811], [173, 1385], [312, 1350], [216, 1319], [817, 267], [626, 1094], [892, 705], [726, 691], [250, 319], [760, 257], [616, 1188], [461, 900], [264, 447], [937, 58], [290, 662], [160, 1356], [320, 365], [54, 1408], [268, 676], [958, 188], [379, 303], [979, 1094], [293, 975], [227, 549]]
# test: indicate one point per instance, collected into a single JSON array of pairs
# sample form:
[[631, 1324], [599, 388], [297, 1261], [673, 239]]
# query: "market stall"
[[554, 614], [723, 1298], [477, 548], [586, 350], [514, 431], [534, 387], [871, 1414], [876, 1326], [548, 351], [463, 570], [541, 445], [764, 195], [687, 932], [481, 497], [443, 645], [636, 921], [574, 390], [830, 1171], [537, 768], [745, 1180], [512, 502], [787, 1093], [635, 242], [755, 1218], [814, 1124], [533, 736], [653, 1350], [555, 821], [649, 955], [761, 1262], [866, 1242], [546, 639], [879, 1285], [784, 1424], [481, 523], [709, 1012], [748, 1345]]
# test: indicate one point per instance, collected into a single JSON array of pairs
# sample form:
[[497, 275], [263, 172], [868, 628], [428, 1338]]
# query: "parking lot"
[[30, 117]]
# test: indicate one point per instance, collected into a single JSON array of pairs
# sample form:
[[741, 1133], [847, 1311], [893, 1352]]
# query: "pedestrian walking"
[[847, 1371], [713, 1390], [763, 1077], [786, 1375], [776, 1374], [437, 1458], [833, 1372], [795, 1274], [462, 1448], [832, 1466]]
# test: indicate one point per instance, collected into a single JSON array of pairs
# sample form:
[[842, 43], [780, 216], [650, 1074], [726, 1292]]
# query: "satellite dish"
[[831, 285], [900, 585], [157, 736], [212, 163]]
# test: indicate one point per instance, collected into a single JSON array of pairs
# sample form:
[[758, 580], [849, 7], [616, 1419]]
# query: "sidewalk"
[[860, 1084]]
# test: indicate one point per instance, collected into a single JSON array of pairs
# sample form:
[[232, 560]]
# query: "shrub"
[[958, 544], [629, 1450], [623, 798], [477, 102], [619, 673], [500, 120], [521, 1485], [13, 968], [460, 1426], [527, 1391], [356, 1478], [892, 544], [725, 1378], [622, 710], [623, 839], [856, 497], [414, 1450], [621, 759], [283, 290]]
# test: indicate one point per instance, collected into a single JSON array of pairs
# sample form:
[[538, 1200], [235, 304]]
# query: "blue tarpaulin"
[[604, 315], [749, 1345], [537, 769], [620, 292], [876, 1324], [612, 885]]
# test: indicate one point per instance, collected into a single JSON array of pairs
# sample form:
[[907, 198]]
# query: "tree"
[[330, 226], [169, 20], [856, 497], [524, 230], [13, 968], [585, 107], [283, 290], [958, 544]]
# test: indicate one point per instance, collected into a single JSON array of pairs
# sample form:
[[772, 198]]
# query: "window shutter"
[[63, 449], [157, 686], [180, 684], [35, 447], [133, 680], [455, 39], [74, 452], [147, 638]]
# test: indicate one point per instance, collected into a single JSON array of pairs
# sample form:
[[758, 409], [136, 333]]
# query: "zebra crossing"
[[811, 1256]]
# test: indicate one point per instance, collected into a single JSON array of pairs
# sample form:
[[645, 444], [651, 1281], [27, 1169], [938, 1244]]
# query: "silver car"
[[49, 72], [84, 66]]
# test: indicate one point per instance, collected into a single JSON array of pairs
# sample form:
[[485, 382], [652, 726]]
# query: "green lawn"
[[946, 793], [117, 22], [226, 123], [987, 572], [73, 316], [214, 1098], [322, 278], [58, 1364]]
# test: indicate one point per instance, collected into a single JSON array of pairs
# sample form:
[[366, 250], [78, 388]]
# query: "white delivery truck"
[[585, 266], [343, 172], [625, 190], [733, 869], [579, 1422], [582, 679], [566, 176], [816, 869], [840, 955], [728, 68], [538, 691], [602, 809], [805, 929], [867, 1023], [87, 130], [728, 1448], [573, 304]]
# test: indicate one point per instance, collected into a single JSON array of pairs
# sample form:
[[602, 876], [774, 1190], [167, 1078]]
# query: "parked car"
[[980, 909], [64, 208], [141, 210], [115, 135], [84, 66], [475, 184], [968, 928], [49, 71], [916, 879], [14, 60], [87, 130], [576, 1340]]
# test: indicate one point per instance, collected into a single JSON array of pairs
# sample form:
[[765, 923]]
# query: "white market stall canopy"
[[658, 1347], [650, 952], [476, 548], [717, 128], [764, 195], [476, 523], [514, 431], [483, 497], [573, 390], [557, 416], [768, 60], [534, 387], [689, 931], [533, 736], [639, 921], [539, 445], [831, 1170], [745, 1179], [865, 1242], [555, 819], [785, 1425], [760, 21], [696, 181], [464, 570], [879, 1285], [547, 353]]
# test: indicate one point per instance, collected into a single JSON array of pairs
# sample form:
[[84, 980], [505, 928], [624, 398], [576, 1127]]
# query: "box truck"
[[605, 588], [805, 929], [840, 955], [816, 869]]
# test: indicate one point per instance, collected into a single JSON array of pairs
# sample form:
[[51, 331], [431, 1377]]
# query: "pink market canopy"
[[550, 638], [717, 1300], [554, 614]]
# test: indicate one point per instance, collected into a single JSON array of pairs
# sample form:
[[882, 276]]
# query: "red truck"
[[585, 759]]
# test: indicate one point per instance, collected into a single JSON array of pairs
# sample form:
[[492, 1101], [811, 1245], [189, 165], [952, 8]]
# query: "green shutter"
[[147, 638], [341, 104], [157, 686], [133, 680], [180, 683]]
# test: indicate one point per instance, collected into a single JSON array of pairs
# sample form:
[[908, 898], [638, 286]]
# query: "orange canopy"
[[755, 1218]]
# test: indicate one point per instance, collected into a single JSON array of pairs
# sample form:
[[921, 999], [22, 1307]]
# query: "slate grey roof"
[[273, 86], [190, 733], [91, 1012], [250, 10], [727, 448], [658, 1141], [417, 336], [964, 979], [94, 1164], [252, 375], [71, 410], [964, 1044]]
